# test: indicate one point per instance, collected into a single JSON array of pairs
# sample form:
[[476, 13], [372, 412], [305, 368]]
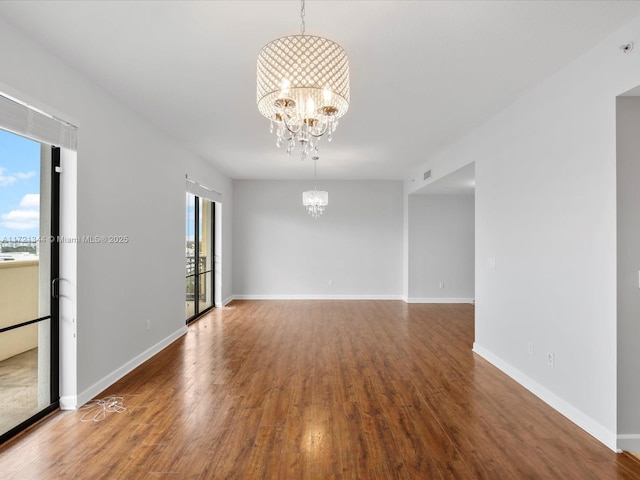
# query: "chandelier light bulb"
[[310, 108]]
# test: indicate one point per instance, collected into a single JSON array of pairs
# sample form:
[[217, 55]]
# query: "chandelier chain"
[[302, 12]]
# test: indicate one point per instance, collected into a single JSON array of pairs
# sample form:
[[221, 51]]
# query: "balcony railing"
[[190, 277], [191, 265]]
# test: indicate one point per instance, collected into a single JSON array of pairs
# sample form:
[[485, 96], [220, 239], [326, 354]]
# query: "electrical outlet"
[[551, 358], [441, 284], [531, 349], [330, 282], [148, 324]]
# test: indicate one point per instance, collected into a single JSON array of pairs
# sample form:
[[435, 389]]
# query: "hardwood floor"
[[319, 390]]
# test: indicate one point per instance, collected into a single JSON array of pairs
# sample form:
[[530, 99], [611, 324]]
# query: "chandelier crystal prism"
[[302, 88]]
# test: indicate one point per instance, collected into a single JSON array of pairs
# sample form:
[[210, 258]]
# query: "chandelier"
[[315, 200], [302, 88]]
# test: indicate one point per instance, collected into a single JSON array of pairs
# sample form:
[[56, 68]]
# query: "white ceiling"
[[423, 73]]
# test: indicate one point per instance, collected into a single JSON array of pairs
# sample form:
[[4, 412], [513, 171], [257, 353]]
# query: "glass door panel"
[[28, 320], [205, 250], [199, 255], [191, 270]]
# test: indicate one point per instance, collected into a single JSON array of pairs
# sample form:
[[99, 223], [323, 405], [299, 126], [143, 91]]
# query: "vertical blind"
[[30, 122]]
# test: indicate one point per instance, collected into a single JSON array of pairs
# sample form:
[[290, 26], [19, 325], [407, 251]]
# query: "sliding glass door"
[[200, 235], [29, 213]]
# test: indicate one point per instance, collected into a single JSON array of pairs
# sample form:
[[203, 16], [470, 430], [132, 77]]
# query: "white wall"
[[130, 181], [441, 248], [546, 213], [280, 251], [628, 200]]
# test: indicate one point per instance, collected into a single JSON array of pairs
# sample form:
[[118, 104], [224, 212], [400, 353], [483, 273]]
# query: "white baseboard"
[[585, 422], [116, 375], [439, 300], [228, 300], [317, 297], [69, 402], [629, 442]]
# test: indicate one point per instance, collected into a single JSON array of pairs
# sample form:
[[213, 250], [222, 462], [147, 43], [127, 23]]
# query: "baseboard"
[[585, 422], [116, 375], [228, 300], [629, 442], [317, 297], [439, 300], [69, 402]]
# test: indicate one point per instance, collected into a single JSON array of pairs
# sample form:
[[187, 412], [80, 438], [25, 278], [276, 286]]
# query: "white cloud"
[[21, 215], [21, 225], [30, 200], [10, 179], [27, 217], [21, 219], [6, 180], [24, 176]]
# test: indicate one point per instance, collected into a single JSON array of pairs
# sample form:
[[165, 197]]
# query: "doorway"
[[441, 240], [628, 269], [200, 263]]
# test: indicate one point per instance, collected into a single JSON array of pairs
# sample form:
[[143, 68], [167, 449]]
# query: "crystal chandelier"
[[302, 88], [315, 200]]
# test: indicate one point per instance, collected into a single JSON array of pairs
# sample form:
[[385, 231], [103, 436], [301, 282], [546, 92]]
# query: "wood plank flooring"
[[319, 390]]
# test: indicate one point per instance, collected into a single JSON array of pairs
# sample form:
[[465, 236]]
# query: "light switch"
[[491, 262]]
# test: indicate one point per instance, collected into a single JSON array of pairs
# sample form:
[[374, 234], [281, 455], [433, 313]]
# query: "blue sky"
[[19, 186], [190, 211]]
